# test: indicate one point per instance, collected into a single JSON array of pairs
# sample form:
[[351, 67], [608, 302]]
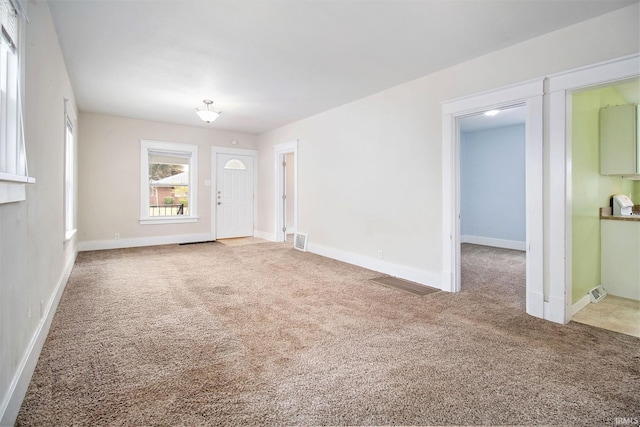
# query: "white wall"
[[109, 179], [34, 260], [492, 187], [370, 171]]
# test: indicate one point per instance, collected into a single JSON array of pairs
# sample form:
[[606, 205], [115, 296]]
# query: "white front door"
[[234, 196]]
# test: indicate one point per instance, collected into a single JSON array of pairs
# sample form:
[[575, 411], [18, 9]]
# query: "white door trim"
[[529, 94], [560, 89], [214, 182], [279, 152]]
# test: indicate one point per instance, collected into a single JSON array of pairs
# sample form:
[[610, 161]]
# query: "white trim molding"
[[98, 245], [560, 87], [280, 151], [422, 277], [529, 94], [265, 235], [170, 149], [580, 304], [10, 407]]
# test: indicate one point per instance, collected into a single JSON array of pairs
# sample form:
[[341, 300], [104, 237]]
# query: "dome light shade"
[[207, 113]]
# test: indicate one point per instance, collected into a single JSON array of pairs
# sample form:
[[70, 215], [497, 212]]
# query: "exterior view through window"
[[168, 185], [168, 182]]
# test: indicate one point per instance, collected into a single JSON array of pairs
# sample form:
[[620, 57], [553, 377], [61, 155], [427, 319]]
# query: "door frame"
[[280, 150], [214, 183], [560, 89], [530, 95]]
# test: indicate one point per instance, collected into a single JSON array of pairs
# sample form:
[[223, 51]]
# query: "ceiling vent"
[[300, 242]]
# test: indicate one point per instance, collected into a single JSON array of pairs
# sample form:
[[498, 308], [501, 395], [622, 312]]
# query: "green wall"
[[591, 190]]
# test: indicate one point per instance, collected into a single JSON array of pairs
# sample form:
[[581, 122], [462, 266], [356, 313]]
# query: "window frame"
[[169, 148], [14, 174], [69, 188]]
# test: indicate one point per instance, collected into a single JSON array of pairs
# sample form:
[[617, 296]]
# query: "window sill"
[[168, 220], [13, 187]]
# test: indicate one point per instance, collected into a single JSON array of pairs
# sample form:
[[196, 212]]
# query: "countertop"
[[605, 213]]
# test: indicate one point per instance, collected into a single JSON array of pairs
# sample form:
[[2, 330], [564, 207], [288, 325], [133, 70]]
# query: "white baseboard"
[[554, 310], [535, 304], [97, 245], [580, 304], [422, 277], [10, 407], [496, 243], [264, 235]]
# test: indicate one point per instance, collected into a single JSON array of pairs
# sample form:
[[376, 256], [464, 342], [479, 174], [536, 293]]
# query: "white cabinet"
[[619, 151], [620, 244]]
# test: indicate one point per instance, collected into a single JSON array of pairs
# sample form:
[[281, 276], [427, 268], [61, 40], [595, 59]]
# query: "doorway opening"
[[602, 251], [493, 203], [286, 191], [528, 96]]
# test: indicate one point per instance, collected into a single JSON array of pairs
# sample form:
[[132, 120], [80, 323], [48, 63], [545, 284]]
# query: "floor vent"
[[300, 242], [597, 293]]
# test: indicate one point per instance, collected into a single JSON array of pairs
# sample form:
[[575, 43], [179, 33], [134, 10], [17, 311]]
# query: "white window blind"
[[9, 21], [168, 182]]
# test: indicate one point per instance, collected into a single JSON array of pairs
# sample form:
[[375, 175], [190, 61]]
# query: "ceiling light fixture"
[[207, 113], [491, 113]]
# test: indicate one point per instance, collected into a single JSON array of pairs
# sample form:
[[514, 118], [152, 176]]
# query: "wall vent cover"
[[300, 242], [597, 293]]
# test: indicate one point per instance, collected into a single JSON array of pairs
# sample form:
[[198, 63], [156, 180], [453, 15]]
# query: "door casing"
[[530, 95], [280, 151]]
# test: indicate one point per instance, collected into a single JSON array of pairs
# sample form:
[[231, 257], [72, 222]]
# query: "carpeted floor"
[[263, 334]]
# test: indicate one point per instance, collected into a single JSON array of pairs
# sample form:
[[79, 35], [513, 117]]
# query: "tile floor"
[[612, 313]]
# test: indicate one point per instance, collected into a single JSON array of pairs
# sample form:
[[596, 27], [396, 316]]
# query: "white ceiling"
[[266, 63]]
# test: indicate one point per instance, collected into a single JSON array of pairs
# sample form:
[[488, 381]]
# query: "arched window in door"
[[235, 164]]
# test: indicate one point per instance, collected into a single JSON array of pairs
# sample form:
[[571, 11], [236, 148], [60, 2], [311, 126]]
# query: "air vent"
[[597, 293], [300, 242]]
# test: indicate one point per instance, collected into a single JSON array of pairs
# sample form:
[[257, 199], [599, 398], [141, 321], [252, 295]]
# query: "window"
[[235, 164], [69, 172], [168, 186], [13, 159]]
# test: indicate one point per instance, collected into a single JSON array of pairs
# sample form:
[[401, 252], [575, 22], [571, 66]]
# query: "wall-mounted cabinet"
[[619, 150]]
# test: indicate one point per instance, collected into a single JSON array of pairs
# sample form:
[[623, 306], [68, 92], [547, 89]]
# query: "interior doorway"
[[493, 203], [286, 190], [529, 96]]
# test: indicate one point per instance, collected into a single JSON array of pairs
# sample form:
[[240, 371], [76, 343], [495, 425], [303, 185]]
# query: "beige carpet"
[[266, 335]]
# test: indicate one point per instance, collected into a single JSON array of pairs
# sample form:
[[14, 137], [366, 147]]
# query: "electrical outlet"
[[116, 236], [29, 312], [41, 308], [380, 254]]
